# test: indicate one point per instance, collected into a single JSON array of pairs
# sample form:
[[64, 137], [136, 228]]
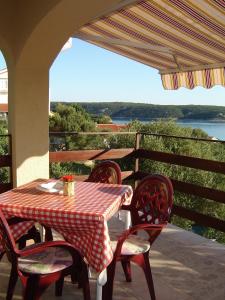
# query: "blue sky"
[[89, 73]]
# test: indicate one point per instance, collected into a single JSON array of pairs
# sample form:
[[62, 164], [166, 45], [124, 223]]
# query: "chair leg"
[[2, 254], [35, 234], [22, 242], [74, 276], [31, 287], [127, 269], [59, 286], [148, 275], [84, 282], [48, 234], [107, 291], [36, 285], [12, 284], [142, 260]]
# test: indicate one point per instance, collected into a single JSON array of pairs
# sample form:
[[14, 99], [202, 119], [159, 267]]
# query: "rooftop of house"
[[4, 73], [3, 107], [112, 127]]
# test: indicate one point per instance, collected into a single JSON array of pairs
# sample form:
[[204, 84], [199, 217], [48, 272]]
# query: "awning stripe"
[[168, 61], [186, 31], [142, 38], [220, 2], [198, 17], [190, 80], [180, 26], [192, 32], [139, 57], [206, 78], [134, 33]]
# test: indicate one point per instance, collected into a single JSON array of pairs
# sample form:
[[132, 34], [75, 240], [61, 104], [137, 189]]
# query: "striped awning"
[[183, 39]]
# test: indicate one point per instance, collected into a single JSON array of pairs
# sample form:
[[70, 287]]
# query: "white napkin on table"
[[51, 187]]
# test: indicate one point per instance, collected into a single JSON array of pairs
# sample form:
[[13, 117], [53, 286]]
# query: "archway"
[[37, 35]]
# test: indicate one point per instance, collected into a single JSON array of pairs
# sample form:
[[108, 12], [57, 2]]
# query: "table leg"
[[42, 231], [127, 219], [124, 216], [101, 280]]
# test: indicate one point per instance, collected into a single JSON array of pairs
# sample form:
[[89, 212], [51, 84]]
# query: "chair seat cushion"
[[48, 261], [133, 245]]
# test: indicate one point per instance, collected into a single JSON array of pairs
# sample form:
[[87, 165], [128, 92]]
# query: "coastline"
[[182, 120], [214, 128]]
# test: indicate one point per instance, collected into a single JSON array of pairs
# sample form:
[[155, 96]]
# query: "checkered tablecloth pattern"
[[81, 219], [18, 230]]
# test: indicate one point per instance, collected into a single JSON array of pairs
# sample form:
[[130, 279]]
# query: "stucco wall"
[[31, 35]]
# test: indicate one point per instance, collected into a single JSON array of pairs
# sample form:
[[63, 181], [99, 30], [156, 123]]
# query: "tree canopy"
[[143, 111], [4, 149], [70, 118]]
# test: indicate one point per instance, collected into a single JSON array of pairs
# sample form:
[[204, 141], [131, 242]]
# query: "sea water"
[[214, 129]]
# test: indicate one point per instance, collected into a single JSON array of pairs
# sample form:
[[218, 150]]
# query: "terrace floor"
[[185, 266]]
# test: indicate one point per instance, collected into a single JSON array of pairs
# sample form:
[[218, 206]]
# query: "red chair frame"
[[103, 172], [35, 284], [150, 211]]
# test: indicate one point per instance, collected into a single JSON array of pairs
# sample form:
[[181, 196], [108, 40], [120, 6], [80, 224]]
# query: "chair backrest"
[[152, 200], [106, 172], [6, 239]]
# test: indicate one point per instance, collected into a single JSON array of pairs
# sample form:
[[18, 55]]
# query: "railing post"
[[137, 146], [10, 153]]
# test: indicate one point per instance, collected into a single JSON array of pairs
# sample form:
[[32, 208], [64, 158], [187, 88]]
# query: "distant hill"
[[144, 111]]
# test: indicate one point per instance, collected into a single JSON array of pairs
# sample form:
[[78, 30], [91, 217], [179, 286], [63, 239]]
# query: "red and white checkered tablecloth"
[[19, 229], [81, 219]]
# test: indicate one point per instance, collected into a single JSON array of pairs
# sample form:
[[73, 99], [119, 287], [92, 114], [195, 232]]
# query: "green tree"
[[69, 118], [145, 111], [4, 149], [102, 119], [206, 150]]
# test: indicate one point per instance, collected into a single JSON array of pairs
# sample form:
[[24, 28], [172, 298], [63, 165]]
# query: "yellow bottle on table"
[[68, 185]]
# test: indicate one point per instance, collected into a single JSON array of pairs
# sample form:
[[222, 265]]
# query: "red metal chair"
[[150, 211], [106, 172], [41, 264]]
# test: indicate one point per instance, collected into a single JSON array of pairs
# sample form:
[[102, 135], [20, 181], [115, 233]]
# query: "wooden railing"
[[184, 187], [96, 154], [6, 161], [138, 153]]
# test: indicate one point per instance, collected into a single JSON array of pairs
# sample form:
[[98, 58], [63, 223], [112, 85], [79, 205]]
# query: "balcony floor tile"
[[185, 266]]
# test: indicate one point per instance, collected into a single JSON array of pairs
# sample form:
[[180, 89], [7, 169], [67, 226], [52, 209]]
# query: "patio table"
[[81, 219]]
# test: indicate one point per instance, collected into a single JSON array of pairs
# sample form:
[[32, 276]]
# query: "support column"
[[28, 123]]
